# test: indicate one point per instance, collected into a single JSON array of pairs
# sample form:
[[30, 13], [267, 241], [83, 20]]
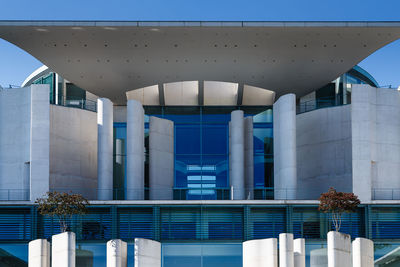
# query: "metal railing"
[[85, 104], [14, 194]]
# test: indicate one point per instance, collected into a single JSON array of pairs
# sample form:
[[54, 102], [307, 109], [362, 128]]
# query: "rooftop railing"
[[85, 104], [314, 104], [14, 194]]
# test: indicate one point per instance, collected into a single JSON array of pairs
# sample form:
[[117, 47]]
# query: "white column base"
[[339, 249], [116, 253], [363, 252], [260, 253], [286, 257], [39, 253], [63, 250], [299, 250], [147, 253]]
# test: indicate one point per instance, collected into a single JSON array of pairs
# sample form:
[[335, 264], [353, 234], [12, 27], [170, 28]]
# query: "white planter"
[[39, 253], [116, 253], [363, 252], [339, 249], [260, 253], [63, 250]]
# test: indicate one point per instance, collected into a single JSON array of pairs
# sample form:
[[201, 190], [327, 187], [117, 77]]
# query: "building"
[[200, 135]]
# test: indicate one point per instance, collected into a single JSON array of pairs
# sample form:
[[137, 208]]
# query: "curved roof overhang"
[[111, 58]]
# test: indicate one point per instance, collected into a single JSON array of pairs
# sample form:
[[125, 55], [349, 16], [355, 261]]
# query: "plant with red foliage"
[[338, 203]]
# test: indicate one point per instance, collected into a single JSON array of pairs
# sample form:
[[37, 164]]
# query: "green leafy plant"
[[337, 203], [62, 206]]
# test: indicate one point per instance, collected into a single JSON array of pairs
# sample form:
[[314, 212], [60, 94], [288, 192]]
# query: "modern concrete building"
[[201, 136]]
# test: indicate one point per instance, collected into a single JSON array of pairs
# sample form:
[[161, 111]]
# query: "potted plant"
[[62, 206]]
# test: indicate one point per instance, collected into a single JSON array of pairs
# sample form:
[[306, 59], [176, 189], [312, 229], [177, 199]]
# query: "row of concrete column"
[[340, 252], [161, 153], [147, 253]]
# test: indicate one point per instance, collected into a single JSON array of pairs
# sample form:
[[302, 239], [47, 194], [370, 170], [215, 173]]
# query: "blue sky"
[[16, 65]]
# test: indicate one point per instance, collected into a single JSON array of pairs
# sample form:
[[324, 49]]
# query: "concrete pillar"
[[63, 250], [249, 157], [285, 166], [286, 256], [339, 249], [39, 253], [363, 252], [299, 250], [135, 156], [319, 257], [105, 149], [260, 253], [236, 154], [147, 253], [117, 253], [161, 158], [39, 141]]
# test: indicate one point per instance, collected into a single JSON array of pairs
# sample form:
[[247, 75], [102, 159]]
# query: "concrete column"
[[319, 258], [147, 253], [236, 154], [63, 250], [260, 253], [161, 158], [286, 256], [285, 166], [117, 253], [135, 156], [299, 250], [339, 249], [39, 141], [363, 252], [105, 149], [39, 253], [249, 157]]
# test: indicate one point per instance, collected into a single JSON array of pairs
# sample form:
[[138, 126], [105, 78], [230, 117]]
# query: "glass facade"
[[202, 151]]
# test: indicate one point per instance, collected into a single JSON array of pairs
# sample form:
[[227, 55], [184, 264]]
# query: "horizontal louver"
[[15, 224], [385, 223], [266, 222], [135, 223]]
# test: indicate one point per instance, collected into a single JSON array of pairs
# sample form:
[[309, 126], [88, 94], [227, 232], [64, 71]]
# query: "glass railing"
[[318, 103], [14, 194], [386, 194]]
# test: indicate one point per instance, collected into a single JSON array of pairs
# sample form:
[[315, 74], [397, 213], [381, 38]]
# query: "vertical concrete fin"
[[63, 250], [285, 165], [117, 253], [135, 154], [286, 256], [105, 149], [339, 249], [161, 158], [39, 141], [260, 253], [299, 251], [39, 253], [363, 252], [236, 154], [249, 157], [147, 253]]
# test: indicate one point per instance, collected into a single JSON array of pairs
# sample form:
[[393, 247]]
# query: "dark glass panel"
[[215, 170], [186, 166], [217, 114], [15, 255], [263, 139], [263, 171], [182, 114], [215, 139], [187, 139], [91, 254]]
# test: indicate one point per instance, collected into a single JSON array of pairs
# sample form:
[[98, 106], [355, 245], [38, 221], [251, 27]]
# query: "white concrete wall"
[[363, 252], [147, 253], [260, 253], [249, 158], [73, 150], [15, 124], [24, 142], [375, 114], [323, 151], [161, 158], [104, 149], [236, 154], [135, 156], [285, 165]]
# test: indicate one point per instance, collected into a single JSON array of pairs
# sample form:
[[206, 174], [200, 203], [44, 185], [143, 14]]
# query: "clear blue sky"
[[384, 65]]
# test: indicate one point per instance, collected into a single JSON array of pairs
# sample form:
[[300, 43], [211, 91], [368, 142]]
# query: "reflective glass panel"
[[187, 139], [215, 139], [14, 255], [91, 255]]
